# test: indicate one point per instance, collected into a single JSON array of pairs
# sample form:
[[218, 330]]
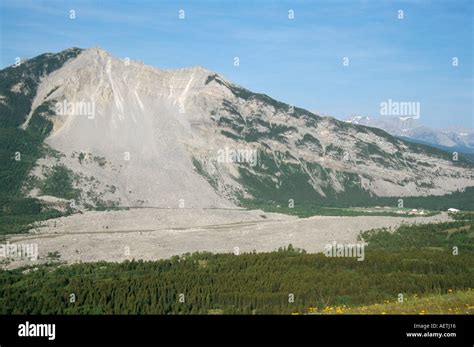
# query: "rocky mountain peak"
[[135, 135]]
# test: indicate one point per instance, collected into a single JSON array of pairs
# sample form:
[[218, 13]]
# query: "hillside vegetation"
[[19, 148]]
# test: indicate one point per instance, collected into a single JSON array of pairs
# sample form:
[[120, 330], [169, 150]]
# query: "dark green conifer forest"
[[414, 260]]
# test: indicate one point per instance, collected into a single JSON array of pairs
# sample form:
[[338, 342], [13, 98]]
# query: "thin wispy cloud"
[[297, 60]]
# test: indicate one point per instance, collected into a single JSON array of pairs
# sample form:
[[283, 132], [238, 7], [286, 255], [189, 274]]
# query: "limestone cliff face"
[[137, 135]]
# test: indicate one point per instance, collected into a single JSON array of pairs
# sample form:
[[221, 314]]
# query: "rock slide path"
[[151, 234]]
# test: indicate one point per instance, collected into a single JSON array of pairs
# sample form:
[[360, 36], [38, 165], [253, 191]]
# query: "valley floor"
[[152, 233]]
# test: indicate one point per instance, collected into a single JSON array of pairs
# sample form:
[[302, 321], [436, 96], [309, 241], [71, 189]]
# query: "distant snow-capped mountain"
[[452, 138]]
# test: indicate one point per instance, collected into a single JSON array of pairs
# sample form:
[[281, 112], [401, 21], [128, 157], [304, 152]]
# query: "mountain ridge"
[[174, 123]]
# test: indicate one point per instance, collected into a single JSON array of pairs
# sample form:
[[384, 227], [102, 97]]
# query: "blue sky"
[[297, 61]]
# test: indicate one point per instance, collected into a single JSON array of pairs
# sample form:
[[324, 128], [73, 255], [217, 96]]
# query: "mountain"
[[107, 132], [460, 139]]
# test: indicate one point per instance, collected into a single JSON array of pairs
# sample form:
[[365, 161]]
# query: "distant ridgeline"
[[20, 149]]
